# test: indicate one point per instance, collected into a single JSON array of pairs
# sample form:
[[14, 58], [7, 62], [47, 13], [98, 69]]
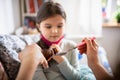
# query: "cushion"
[[86, 73], [10, 46]]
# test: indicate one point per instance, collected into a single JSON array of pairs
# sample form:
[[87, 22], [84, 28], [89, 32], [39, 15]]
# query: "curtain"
[[84, 18], [9, 16]]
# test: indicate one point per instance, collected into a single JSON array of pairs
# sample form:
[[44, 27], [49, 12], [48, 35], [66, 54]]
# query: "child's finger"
[[55, 47]]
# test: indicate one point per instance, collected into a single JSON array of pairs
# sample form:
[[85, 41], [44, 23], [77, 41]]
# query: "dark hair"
[[48, 9]]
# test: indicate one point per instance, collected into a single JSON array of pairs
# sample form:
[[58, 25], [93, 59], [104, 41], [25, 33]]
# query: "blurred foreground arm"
[[30, 58], [91, 50]]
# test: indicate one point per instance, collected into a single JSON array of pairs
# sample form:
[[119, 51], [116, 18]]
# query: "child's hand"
[[33, 53], [59, 59], [56, 47]]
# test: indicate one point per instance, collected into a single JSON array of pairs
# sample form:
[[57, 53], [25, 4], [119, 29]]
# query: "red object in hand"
[[82, 46]]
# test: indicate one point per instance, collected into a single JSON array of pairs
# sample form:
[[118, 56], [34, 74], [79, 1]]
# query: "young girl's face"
[[52, 28]]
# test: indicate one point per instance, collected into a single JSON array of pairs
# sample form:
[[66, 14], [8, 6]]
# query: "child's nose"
[[55, 30]]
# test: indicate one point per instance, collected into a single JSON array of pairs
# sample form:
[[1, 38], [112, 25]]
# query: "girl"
[[51, 24], [38, 63]]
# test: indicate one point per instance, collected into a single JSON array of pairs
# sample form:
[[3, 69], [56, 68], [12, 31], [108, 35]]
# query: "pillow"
[[10, 46], [86, 73]]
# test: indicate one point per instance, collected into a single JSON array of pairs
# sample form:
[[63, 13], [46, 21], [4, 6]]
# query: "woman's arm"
[[99, 71], [91, 50], [27, 70], [30, 57], [92, 54]]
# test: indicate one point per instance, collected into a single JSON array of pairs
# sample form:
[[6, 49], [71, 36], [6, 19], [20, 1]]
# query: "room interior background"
[[107, 37]]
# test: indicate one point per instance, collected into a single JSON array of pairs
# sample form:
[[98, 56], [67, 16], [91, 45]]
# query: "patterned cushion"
[[86, 73], [10, 46]]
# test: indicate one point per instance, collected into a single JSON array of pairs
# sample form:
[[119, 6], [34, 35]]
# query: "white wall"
[[111, 43], [83, 17], [9, 16], [16, 13]]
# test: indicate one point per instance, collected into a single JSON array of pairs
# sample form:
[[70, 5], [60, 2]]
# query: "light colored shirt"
[[67, 70]]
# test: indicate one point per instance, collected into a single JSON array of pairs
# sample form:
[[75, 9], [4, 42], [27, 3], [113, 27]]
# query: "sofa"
[[11, 45]]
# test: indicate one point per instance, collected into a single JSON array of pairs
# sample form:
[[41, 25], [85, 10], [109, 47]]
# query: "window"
[[9, 16], [84, 18], [109, 9]]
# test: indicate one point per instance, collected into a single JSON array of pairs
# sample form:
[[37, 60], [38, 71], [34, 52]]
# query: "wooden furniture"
[[111, 24]]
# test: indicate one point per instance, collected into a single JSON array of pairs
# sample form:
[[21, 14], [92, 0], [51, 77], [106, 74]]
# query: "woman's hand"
[[59, 59], [33, 53], [30, 58], [91, 50]]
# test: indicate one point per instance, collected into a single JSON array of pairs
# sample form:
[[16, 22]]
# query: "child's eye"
[[48, 27], [59, 26]]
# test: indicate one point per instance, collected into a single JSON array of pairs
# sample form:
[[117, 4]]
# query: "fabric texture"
[[11, 45], [86, 73], [55, 72], [69, 69], [49, 43]]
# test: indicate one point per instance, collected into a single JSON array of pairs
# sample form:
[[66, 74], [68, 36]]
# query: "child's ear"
[[37, 26]]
